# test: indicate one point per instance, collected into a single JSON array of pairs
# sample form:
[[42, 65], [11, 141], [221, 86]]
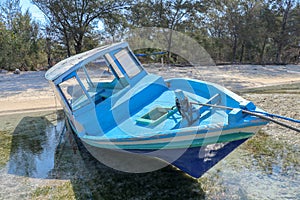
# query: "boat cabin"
[[96, 86], [93, 76]]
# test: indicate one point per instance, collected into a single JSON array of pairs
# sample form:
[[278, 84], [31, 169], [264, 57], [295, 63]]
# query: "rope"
[[260, 115], [154, 53], [277, 116]]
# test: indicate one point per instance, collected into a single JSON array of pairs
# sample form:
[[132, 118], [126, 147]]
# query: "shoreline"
[[29, 110], [31, 92]]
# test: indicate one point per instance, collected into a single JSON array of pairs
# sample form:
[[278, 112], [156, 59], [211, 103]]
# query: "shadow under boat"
[[104, 181], [193, 161], [198, 160]]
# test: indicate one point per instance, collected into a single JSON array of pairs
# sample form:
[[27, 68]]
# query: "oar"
[[258, 114]]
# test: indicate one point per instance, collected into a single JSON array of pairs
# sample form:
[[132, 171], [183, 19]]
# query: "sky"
[[36, 14]]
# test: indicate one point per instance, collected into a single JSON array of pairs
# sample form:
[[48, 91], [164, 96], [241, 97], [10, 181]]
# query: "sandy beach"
[[266, 167], [30, 91]]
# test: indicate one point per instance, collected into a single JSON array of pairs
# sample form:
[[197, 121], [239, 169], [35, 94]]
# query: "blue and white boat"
[[112, 102]]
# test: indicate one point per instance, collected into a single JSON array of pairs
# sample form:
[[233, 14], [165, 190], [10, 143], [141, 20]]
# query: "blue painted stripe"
[[178, 144], [190, 131]]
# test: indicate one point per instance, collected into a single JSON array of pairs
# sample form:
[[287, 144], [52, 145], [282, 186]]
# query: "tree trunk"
[[234, 49], [78, 46], [78, 43], [278, 53], [169, 46], [242, 52], [262, 53], [67, 41], [282, 32], [68, 48]]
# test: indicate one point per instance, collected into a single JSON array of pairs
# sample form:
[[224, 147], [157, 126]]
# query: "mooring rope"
[[262, 115], [277, 116]]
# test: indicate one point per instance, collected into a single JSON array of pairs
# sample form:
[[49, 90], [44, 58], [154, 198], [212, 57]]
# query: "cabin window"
[[128, 62], [73, 93], [122, 82], [114, 65], [94, 73]]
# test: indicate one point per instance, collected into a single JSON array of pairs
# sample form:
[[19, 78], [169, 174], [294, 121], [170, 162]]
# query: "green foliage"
[[166, 14], [5, 144], [74, 20], [21, 44], [254, 32], [63, 191], [232, 31]]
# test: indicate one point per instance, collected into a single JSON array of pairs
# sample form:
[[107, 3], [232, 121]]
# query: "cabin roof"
[[70, 64]]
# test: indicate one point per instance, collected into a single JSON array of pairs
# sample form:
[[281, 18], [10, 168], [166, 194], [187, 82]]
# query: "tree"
[[163, 13], [20, 39], [115, 25], [225, 21], [254, 31], [266, 32], [283, 9], [283, 12], [293, 51], [9, 11], [74, 19]]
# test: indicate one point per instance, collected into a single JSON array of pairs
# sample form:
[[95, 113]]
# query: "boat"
[[112, 103]]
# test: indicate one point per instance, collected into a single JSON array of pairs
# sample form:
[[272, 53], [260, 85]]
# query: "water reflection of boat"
[[119, 106], [33, 146]]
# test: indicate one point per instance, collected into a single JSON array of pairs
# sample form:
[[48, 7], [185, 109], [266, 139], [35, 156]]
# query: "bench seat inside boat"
[[105, 89]]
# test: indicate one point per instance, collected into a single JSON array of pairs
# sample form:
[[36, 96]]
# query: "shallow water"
[[36, 162], [262, 168], [28, 146]]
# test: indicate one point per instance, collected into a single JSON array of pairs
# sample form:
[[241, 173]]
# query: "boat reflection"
[[33, 146]]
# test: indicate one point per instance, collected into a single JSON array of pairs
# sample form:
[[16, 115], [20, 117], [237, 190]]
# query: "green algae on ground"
[[5, 144], [263, 159], [266, 151], [293, 88], [62, 191]]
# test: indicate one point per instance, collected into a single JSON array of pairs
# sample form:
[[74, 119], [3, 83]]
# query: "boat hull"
[[198, 160], [193, 161]]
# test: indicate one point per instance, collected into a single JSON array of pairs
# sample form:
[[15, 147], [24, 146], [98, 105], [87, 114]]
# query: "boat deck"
[[131, 128]]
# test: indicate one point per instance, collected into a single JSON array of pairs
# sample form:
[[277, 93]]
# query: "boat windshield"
[[94, 73], [100, 78], [73, 93], [128, 62]]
